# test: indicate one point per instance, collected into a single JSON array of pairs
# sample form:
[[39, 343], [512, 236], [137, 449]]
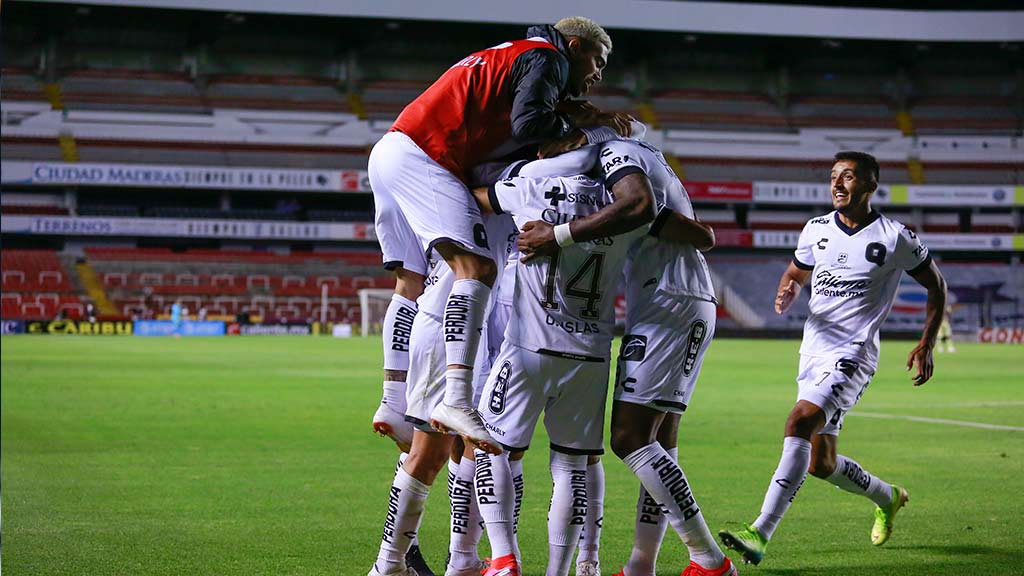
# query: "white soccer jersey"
[[676, 269], [854, 277], [565, 303]]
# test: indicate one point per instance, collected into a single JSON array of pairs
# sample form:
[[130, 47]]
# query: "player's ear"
[[574, 44]]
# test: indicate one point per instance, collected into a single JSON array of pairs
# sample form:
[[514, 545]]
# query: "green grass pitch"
[[255, 456]]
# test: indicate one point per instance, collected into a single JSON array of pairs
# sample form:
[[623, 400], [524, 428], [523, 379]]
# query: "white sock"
[[665, 480], [651, 523], [463, 321], [458, 390], [394, 395], [786, 482], [402, 457], [496, 497], [405, 512], [397, 329], [850, 476], [465, 515], [590, 540], [568, 510], [519, 485]]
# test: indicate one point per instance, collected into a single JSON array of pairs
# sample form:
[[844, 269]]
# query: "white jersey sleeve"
[[579, 161], [678, 270], [620, 158], [810, 236], [911, 254]]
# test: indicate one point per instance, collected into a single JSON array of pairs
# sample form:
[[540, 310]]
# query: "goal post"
[[373, 304]]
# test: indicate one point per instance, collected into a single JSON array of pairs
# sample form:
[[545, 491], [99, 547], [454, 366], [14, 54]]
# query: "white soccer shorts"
[[419, 204], [571, 391], [662, 353], [427, 367], [833, 383]]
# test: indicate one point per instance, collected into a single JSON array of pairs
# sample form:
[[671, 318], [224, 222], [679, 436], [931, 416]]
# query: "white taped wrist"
[[563, 235]]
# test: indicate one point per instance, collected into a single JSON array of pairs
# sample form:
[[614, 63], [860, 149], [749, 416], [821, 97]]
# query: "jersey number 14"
[[584, 284]]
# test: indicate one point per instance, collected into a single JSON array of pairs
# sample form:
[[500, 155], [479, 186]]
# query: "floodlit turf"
[[254, 456]]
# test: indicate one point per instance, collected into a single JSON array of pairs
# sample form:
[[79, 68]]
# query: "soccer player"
[[853, 259], [554, 359], [670, 309], [555, 354], [670, 320], [488, 104], [429, 449]]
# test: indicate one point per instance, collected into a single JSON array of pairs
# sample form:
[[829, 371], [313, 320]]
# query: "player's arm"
[[928, 276], [790, 285], [538, 78], [675, 227], [633, 207], [483, 196]]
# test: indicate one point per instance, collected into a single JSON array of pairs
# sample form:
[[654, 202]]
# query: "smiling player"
[[854, 258]]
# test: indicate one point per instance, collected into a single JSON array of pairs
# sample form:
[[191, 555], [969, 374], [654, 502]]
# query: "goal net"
[[373, 304]]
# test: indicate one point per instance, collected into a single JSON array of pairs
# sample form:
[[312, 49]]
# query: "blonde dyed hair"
[[585, 28]]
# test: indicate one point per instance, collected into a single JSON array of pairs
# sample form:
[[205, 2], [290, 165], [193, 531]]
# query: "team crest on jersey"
[[496, 404], [843, 257], [634, 347]]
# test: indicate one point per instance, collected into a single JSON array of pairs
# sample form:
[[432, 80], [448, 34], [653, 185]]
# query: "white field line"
[[938, 421], [990, 404]]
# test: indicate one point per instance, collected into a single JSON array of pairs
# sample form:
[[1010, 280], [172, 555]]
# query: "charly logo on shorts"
[[497, 402], [847, 366], [634, 347], [698, 331]]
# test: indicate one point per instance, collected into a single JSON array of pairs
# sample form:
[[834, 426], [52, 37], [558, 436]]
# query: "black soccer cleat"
[[414, 559]]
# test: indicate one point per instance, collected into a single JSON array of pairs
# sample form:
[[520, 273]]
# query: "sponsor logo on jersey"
[[820, 220], [617, 161], [634, 347], [497, 402], [821, 243], [697, 333], [827, 283]]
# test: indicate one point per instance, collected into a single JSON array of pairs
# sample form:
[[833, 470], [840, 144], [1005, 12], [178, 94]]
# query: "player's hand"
[[921, 359], [620, 121], [577, 109], [537, 239], [784, 299], [572, 141]]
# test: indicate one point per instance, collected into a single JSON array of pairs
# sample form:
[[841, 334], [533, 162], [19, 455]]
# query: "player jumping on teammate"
[[488, 104]]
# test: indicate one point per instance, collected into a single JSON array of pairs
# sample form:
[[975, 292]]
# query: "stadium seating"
[[276, 287], [37, 285]]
